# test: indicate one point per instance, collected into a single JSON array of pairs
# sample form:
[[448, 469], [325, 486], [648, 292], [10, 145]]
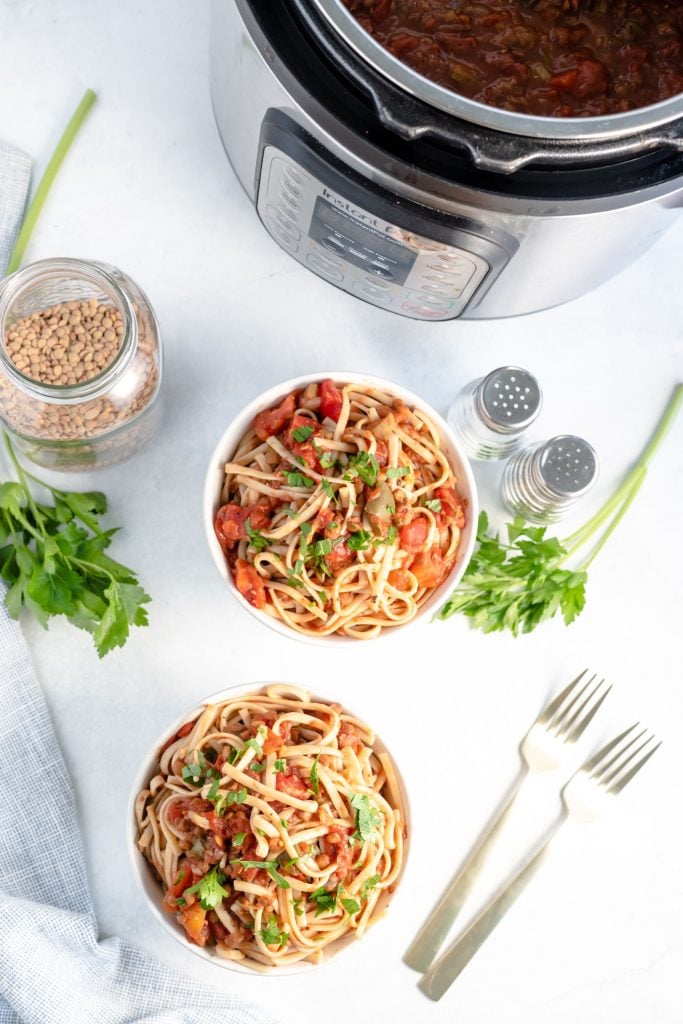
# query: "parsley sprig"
[[52, 557], [516, 585], [210, 889]]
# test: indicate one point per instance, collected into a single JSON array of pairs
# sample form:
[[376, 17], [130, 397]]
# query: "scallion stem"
[[47, 180]]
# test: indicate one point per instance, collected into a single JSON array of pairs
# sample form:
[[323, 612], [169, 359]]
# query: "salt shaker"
[[491, 414], [543, 482]]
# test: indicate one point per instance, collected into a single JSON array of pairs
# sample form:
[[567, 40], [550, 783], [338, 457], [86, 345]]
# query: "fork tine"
[[594, 761], [573, 734], [556, 711], [601, 772], [607, 776], [617, 786], [548, 712]]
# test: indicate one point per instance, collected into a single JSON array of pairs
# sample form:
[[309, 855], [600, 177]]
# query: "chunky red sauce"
[[560, 58]]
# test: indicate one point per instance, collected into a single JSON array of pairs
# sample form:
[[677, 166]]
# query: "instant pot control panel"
[[397, 255]]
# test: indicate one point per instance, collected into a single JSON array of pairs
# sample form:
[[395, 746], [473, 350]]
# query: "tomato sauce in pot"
[[558, 58]]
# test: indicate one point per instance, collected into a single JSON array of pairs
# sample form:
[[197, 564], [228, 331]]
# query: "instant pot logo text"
[[353, 211]]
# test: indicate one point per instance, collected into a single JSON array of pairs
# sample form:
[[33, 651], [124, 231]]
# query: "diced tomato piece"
[[193, 920], [337, 844], [565, 80], [413, 535], [452, 508], [231, 520], [291, 782], [399, 578], [184, 880], [330, 400], [272, 421], [591, 80], [430, 568], [339, 557], [249, 583]]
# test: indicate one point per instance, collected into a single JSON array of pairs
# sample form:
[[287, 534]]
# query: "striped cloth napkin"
[[54, 969], [15, 174]]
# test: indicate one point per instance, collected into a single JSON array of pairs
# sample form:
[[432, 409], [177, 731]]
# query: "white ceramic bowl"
[[227, 446], [150, 886]]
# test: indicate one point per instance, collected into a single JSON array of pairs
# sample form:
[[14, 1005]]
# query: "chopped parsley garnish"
[[180, 902], [368, 818], [297, 907], [328, 488], [302, 433], [280, 764], [239, 838], [322, 548], [256, 767], [256, 539], [359, 541], [368, 886], [350, 906], [327, 459], [294, 582], [324, 900], [364, 465], [222, 801], [303, 543], [266, 865], [253, 744], [315, 784], [199, 772], [392, 534], [434, 505], [292, 513], [295, 479], [271, 934], [210, 889], [395, 471]]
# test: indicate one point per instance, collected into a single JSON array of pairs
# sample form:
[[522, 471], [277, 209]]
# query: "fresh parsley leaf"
[[434, 505], [180, 902], [328, 459], [210, 889], [279, 765], [350, 906], [397, 471], [368, 885], [252, 744], [324, 900], [359, 541], [272, 935], [328, 488], [297, 907], [392, 534], [256, 539], [271, 866], [199, 772], [322, 548], [302, 434], [368, 818], [256, 767], [315, 783], [295, 479], [238, 838], [364, 465]]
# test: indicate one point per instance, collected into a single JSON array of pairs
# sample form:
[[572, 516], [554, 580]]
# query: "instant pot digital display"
[[360, 243]]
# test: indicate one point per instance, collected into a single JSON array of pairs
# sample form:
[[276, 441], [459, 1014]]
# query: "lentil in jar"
[[558, 58]]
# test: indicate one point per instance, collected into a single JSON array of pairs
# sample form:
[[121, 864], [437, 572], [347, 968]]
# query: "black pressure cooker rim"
[[406, 129]]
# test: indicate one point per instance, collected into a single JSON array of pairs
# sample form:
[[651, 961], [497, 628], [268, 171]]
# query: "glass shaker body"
[[491, 414], [545, 481]]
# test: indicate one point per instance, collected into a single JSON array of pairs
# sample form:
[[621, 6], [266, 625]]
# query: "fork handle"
[[449, 966], [428, 941]]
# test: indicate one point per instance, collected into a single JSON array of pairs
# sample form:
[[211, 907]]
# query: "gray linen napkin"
[[53, 969], [15, 174]]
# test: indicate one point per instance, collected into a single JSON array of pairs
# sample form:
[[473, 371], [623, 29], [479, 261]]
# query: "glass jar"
[[80, 364], [491, 414]]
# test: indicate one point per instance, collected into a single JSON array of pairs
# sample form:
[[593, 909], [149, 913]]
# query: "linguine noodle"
[[275, 826], [339, 511]]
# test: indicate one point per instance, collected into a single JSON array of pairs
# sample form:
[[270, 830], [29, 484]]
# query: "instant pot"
[[416, 199]]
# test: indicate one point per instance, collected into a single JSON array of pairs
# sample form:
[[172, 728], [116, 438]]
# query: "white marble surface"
[[599, 936]]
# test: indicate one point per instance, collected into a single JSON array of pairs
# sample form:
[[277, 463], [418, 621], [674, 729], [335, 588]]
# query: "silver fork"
[[584, 797], [546, 747]]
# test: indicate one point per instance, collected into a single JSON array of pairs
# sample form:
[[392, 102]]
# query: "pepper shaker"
[[491, 414], [544, 482]]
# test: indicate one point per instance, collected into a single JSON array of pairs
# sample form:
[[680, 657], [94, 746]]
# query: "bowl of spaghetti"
[[339, 507], [268, 829]]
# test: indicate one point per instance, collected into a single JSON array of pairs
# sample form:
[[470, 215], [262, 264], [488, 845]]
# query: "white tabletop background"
[[599, 935]]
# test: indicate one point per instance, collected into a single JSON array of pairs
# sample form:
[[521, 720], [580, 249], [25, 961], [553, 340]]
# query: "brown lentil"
[[68, 343]]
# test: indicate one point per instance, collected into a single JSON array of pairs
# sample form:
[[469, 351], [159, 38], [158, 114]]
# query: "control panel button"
[[375, 283], [367, 291], [380, 270], [431, 301], [423, 312], [279, 218], [333, 244], [325, 256], [324, 267]]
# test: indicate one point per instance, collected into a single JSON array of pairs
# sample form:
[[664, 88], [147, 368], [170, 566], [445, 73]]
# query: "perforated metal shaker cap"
[[509, 399], [568, 465]]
